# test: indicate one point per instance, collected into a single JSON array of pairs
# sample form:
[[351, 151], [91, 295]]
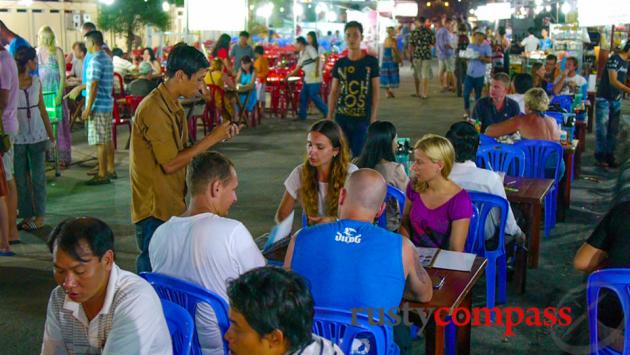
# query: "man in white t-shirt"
[[530, 42], [466, 174], [203, 246], [98, 308], [569, 82]]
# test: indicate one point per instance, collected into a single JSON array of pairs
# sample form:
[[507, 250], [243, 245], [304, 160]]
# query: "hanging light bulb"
[[548, 8], [165, 6]]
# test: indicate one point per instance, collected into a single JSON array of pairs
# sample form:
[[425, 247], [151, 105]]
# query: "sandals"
[[7, 253], [29, 226]]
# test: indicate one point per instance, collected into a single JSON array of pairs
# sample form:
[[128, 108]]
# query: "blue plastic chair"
[[483, 205], [188, 296], [180, 325], [564, 101], [395, 193], [537, 153], [337, 326], [483, 140], [618, 281], [507, 158], [558, 116]]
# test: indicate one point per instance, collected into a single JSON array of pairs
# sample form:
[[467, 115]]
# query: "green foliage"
[[128, 16]]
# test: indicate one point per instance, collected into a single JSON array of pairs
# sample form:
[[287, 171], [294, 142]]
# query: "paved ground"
[[264, 156]]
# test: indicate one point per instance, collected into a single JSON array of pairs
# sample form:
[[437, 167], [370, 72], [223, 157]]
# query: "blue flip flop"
[[7, 253]]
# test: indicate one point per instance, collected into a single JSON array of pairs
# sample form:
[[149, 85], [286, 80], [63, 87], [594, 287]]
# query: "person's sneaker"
[[98, 180]]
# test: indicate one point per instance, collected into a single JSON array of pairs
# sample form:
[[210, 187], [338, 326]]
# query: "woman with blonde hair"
[[316, 183], [437, 211], [533, 124], [52, 73]]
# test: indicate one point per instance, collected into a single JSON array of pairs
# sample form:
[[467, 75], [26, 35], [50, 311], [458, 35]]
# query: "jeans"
[[144, 232], [29, 159], [460, 74], [471, 83], [607, 114], [355, 130], [311, 91]]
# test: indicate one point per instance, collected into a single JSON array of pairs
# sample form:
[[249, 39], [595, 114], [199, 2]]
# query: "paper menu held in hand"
[[453, 260], [279, 232]]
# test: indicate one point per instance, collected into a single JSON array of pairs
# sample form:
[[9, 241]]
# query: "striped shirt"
[[101, 70], [130, 322]]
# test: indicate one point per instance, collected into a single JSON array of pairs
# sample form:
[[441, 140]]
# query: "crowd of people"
[[341, 185]]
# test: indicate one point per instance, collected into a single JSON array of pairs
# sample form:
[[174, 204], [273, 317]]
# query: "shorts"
[[100, 128], [7, 160], [422, 69], [4, 187], [260, 92], [447, 64]]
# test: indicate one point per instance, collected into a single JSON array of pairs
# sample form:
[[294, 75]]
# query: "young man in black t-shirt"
[[608, 107], [353, 100], [608, 247]]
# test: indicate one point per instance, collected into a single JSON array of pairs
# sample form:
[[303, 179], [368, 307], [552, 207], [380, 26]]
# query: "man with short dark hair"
[[476, 69], [271, 313], [570, 82], [445, 53], [552, 70], [520, 84], [421, 40], [203, 246], [99, 308], [99, 104], [353, 98], [497, 107], [241, 49], [121, 65], [327, 254], [78, 54], [11, 40], [466, 174], [159, 151], [530, 43], [608, 107]]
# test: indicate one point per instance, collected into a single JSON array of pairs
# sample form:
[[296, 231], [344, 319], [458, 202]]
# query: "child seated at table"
[[246, 85], [224, 88]]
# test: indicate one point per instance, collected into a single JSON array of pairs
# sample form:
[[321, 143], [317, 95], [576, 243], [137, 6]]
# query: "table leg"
[[591, 111], [463, 333], [535, 214], [564, 194]]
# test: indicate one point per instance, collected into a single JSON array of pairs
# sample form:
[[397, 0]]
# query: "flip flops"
[[7, 253], [28, 226]]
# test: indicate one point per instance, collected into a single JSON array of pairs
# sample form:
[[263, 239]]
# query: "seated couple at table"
[[532, 125]]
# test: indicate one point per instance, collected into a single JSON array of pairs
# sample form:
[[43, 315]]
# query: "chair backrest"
[[180, 325], [564, 101], [537, 155], [342, 327], [483, 205], [133, 102], [507, 158], [118, 91], [188, 296], [558, 116], [618, 281], [483, 139], [399, 196]]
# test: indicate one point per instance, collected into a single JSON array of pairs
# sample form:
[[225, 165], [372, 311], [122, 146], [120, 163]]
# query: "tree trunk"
[[130, 37]]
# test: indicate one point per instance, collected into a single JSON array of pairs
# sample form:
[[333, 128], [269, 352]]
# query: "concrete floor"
[[264, 156]]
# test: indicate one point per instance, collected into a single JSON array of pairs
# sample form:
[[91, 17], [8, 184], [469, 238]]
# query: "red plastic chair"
[[118, 120]]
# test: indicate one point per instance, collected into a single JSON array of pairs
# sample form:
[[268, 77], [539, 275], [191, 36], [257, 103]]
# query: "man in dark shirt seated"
[[145, 83], [608, 247], [497, 107]]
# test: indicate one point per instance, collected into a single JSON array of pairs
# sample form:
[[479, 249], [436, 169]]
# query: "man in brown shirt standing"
[[159, 154]]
